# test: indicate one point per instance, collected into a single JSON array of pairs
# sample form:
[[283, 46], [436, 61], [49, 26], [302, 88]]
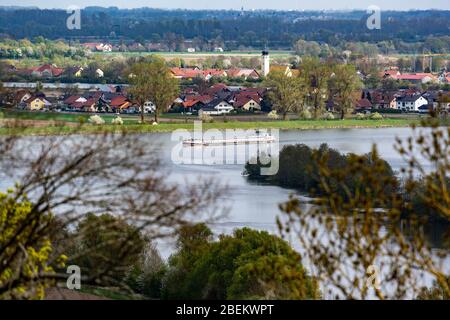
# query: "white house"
[[411, 102], [149, 107], [217, 107]]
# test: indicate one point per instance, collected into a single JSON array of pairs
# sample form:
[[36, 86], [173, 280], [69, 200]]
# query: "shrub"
[[273, 115], [117, 121], [376, 116], [360, 116], [81, 119], [248, 264], [328, 116], [205, 117], [96, 120], [305, 115]]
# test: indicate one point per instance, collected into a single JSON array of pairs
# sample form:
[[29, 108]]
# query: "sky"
[[237, 4]]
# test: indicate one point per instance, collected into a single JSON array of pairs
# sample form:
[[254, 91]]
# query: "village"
[[207, 93]]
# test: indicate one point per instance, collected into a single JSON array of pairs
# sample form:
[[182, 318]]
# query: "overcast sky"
[[237, 4]]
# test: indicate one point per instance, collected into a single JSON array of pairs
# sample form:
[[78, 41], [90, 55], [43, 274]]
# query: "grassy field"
[[200, 55], [61, 117], [70, 126]]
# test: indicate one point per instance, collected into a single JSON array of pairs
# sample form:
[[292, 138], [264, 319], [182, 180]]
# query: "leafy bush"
[[249, 264], [96, 120], [117, 121], [376, 116], [328, 116], [25, 243], [360, 116], [107, 243], [81, 119], [305, 115], [273, 115], [204, 117]]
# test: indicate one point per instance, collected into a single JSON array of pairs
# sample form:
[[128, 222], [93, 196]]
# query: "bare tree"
[[60, 179], [349, 239]]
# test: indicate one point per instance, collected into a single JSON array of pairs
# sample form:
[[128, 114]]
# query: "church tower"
[[265, 63]]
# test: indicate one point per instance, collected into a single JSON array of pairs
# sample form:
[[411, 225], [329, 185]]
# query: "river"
[[254, 205]]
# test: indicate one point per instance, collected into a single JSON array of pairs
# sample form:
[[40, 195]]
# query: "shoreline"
[[71, 128]]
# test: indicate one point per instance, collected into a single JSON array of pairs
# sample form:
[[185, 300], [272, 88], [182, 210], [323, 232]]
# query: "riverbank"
[[54, 127]]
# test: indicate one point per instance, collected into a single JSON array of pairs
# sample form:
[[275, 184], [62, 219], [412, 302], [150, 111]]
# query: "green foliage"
[[360, 116], [286, 94], [344, 85], [146, 275], [299, 167], [246, 265], [314, 75], [25, 249], [151, 81], [328, 116], [106, 246], [305, 115], [376, 116]]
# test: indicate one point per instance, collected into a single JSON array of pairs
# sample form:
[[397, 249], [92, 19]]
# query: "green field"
[[199, 55], [60, 117], [133, 127]]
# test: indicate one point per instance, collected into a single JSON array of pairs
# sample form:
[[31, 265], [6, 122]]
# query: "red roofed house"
[[246, 103], [363, 105], [193, 104], [96, 46], [210, 73], [416, 77], [120, 103], [186, 73], [47, 71], [189, 73], [215, 89], [22, 96], [393, 73], [243, 73], [203, 98]]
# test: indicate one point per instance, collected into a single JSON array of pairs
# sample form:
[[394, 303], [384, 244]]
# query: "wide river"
[[255, 205]]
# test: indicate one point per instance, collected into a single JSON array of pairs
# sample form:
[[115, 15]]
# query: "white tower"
[[265, 63]]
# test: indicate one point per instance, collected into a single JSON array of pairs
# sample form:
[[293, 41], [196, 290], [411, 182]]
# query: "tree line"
[[275, 29]]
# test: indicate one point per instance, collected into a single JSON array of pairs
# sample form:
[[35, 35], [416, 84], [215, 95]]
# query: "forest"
[[256, 29]]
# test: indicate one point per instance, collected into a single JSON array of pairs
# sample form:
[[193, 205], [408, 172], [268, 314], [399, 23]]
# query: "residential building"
[[243, 73], [411, 102], [37, 103], [217, 107]]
